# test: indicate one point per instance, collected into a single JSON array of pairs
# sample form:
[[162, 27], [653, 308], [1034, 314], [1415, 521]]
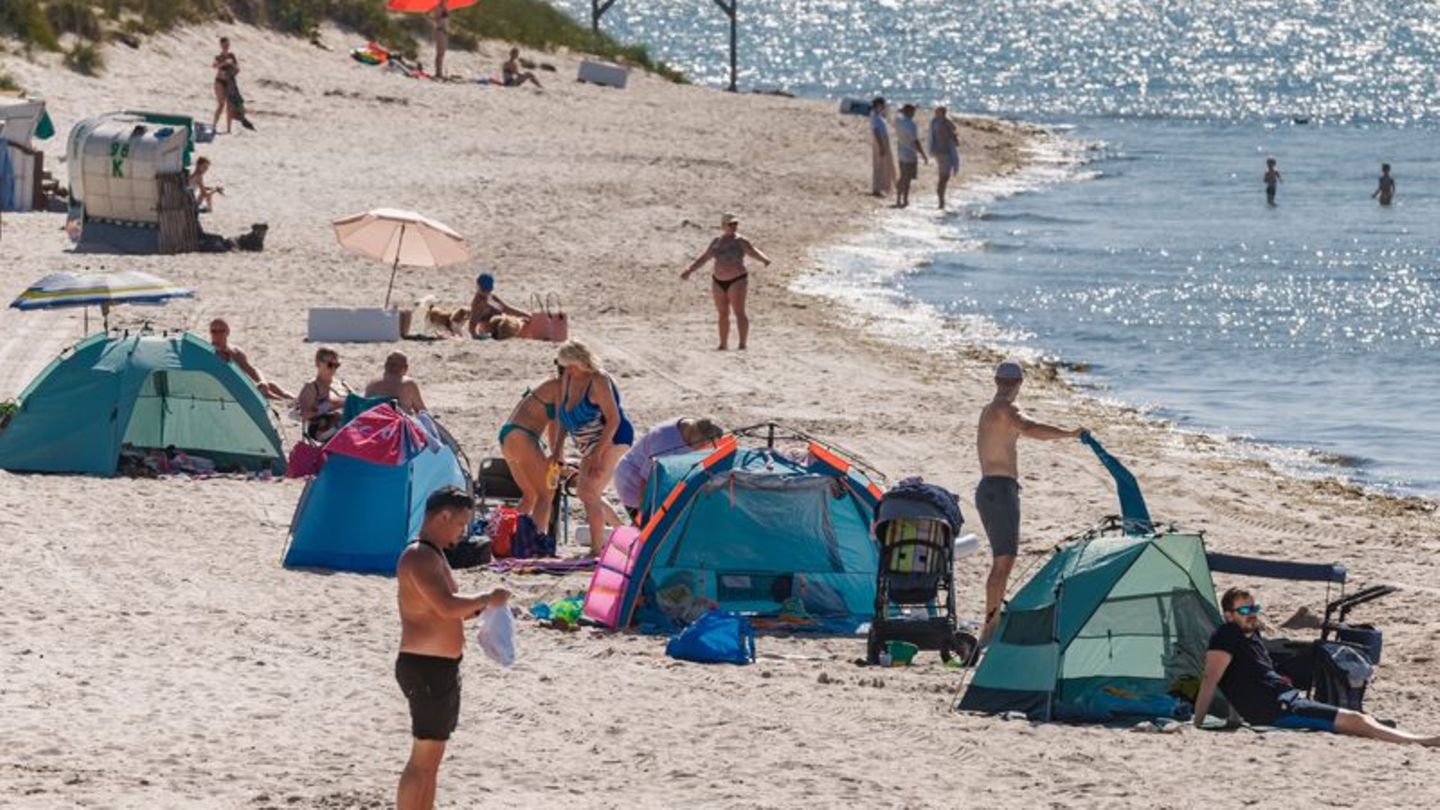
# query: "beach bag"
[[547, 320], [717, 637], [305, 460], [470, 553], [501, 528], [529, 541], [495, 633]]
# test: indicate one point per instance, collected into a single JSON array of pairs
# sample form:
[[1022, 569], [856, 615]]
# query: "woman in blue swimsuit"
[[522, 445], [589, 409]]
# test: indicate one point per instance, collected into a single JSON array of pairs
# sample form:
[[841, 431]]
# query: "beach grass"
[[91, 23]]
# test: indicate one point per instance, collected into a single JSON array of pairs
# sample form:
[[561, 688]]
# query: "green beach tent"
[[1102, 631], [144, 391]]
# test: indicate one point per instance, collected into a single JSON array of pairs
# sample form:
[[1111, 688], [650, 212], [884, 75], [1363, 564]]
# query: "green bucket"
[[901, 652]]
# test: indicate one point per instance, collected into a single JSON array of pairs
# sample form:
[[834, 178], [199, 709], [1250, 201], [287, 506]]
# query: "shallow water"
[[1140, 244]]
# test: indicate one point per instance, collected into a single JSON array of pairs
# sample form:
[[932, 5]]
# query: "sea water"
[[1137, 247]]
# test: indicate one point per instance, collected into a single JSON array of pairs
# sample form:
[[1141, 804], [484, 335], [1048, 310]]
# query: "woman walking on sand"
[[522, 443], [589, 409], [729, 281], [226, 66]]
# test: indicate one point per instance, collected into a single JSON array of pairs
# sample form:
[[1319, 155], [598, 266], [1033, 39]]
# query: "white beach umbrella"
[[64, 289], [401, 237]]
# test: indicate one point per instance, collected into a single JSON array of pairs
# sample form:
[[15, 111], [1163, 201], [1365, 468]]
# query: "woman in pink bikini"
[[728, 281]]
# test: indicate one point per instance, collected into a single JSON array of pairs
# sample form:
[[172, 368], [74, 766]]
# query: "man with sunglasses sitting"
[[1238, 663]]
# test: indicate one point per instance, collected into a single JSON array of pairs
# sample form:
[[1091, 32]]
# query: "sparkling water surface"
[[1141, 248]]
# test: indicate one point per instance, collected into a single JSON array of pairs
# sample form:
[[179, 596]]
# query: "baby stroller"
[[916, 526]]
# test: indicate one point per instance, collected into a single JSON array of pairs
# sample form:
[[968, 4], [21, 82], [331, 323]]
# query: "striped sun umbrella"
[[60, 290]]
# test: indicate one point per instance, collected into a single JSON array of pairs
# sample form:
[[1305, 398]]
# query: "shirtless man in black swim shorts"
[[997, 498], [432, 639]]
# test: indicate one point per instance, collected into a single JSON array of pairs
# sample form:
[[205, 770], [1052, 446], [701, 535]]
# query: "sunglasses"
[[331, 363], [1248, 610]]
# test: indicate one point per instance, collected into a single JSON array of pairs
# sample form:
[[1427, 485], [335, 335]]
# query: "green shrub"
[[26, 21], [7, 82], [74, 17], [85, 58]]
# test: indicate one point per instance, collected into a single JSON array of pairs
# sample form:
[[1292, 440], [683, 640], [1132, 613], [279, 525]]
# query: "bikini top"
[[728, 249], [549, 406]]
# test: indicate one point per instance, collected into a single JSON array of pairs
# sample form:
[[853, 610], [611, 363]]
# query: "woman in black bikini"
[[728, 282], [321, 407], [226, 66]]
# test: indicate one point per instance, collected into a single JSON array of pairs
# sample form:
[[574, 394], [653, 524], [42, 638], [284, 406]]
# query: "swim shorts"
[[1299, 712], [908, 170], [432, 685], [997, 498]]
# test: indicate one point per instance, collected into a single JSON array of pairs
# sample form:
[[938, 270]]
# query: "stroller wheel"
[[963, 646], [872, 648]]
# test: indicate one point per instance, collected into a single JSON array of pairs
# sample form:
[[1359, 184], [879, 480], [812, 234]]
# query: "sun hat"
[[1009, 370], [728, 219]]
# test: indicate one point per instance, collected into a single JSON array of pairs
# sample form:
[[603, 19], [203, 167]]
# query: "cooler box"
[[606, 73], [335, 325]]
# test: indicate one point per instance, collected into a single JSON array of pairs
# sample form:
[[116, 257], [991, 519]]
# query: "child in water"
[[1272, 178], [1386, 191]]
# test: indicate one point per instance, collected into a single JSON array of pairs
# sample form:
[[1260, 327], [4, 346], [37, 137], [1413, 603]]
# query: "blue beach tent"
[[749, 530], [144, 391], [358, 514]]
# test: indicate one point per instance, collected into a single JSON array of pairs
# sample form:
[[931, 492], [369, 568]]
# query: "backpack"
[[717, 637]]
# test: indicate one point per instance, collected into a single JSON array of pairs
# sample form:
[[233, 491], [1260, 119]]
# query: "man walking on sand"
[[907, 147], [432, 639], [997, 498]]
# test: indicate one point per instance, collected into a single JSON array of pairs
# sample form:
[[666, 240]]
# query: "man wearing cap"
[[997, 498], [486, 305], [908, 149]]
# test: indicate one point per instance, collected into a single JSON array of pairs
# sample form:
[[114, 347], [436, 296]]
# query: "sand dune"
[[154, 654]]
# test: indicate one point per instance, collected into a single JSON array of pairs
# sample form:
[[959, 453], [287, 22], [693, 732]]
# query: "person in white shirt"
[[907, 147], [882, 175]]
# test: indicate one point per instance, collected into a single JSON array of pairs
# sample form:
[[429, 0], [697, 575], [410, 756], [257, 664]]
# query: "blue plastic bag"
[[718, 637]]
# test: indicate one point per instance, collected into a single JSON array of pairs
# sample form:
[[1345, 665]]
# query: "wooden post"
[[597, 10], [729, 9]]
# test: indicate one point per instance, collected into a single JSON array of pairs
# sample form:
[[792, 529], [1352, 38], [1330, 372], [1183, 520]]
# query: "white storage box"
[[334, 325], [610, 75]]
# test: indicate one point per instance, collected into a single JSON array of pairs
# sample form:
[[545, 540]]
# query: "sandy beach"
[[155, 654]]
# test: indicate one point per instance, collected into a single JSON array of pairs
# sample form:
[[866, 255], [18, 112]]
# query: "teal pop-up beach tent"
[[368, 500], [147, 392], [750, 530], [1107, 626]]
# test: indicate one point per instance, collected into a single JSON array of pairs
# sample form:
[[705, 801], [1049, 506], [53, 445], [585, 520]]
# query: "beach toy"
[[540, 611], [567, 610], [901, 652]]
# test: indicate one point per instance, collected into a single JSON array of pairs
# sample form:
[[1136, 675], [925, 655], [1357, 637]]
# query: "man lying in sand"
[[432, 640], [997, 498], [395, 384], [220, 339], [1238, 663]]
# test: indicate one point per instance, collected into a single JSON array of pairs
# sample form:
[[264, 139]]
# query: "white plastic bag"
[[495, 633]]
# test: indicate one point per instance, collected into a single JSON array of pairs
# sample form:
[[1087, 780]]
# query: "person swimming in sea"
[[1272, 179], [1386, 190]]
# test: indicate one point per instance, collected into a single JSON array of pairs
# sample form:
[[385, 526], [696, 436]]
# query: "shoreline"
[[909, 323]]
